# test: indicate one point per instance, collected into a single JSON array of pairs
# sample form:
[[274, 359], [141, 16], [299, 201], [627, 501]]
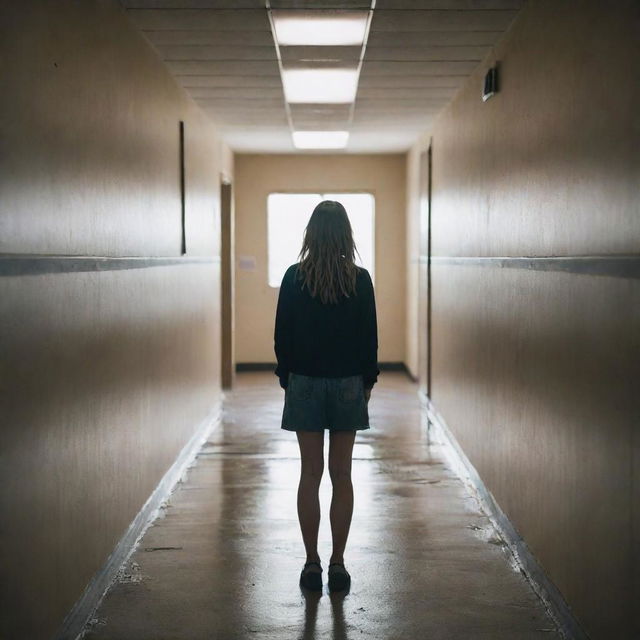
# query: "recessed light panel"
[[310, 28], [320, 139], [320, 85]]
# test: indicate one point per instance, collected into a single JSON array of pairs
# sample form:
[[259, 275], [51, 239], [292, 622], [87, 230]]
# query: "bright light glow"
[[320, 139], [288, 215], [319, 28], [320, 85]]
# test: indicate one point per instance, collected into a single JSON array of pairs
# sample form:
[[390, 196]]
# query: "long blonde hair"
[[327, 258]]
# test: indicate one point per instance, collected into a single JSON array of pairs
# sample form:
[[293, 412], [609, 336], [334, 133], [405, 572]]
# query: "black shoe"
[[311, 579], [339, 579]]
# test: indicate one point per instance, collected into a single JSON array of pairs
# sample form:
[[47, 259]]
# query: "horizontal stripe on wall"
[[623, 266], [29, 265], [612, 266]]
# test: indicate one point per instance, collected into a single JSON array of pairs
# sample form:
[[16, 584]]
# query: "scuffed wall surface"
[[413, 252], [536, 372], [104, 376]]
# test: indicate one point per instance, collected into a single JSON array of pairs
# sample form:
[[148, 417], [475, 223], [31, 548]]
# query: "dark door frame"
[[429, 209], [227, 285], [424, 271]]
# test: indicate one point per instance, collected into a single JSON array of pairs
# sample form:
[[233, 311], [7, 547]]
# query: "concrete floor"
[[224, 560]]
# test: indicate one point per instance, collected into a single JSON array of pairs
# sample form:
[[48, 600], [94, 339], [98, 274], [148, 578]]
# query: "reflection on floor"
[[224, 561]]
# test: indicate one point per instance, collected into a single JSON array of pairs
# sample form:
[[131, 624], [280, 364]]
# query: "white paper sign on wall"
[[247, 263]]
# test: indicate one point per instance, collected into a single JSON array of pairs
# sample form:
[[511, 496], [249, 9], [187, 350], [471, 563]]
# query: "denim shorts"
[[315, 404]]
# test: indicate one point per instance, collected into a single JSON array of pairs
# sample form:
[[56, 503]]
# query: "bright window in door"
[[288, 215]]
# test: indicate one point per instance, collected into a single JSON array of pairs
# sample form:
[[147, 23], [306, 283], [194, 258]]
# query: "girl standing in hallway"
[[326, 345]]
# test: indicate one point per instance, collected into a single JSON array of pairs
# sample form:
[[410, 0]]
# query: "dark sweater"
[[326, 340]]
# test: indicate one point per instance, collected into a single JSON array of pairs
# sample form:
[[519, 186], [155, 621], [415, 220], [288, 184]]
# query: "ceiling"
[[417, 55]]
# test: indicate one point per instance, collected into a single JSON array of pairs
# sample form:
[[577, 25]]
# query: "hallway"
[[223, 560], [160, 161]]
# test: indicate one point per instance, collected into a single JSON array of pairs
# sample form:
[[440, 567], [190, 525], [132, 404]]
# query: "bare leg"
[[340, 451], [311, 469]]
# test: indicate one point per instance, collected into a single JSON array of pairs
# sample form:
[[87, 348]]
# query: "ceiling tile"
[[236, 92], [374, 140], [240, 117], [437, 53], [418, 54], [229, 104], [224, 68], [427, 68], [407, 92], [450, 5], [199, 19], [193, 4], [441, 20], [409, 81], [259, 140], [211, 37], [386, 105], [231, 80], [205, 52], [432, 38]]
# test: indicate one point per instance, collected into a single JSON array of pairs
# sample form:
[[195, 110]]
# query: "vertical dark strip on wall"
[[183, 240], [429, 191]]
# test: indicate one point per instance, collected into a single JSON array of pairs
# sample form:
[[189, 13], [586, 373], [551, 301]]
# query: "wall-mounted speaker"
[[490, 83]]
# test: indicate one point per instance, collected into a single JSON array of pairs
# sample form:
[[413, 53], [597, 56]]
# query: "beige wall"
[[536, 372], [259, 175], [104, 375], [413, 252]]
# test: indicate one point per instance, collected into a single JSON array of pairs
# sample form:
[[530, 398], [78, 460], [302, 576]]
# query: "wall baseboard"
[[523, 558], [271, 366], [73, 627]]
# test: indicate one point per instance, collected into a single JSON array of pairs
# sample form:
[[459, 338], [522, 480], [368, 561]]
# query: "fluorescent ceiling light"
[[320, 85], [320, 139], [319, 27]]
